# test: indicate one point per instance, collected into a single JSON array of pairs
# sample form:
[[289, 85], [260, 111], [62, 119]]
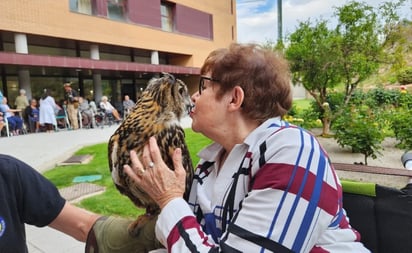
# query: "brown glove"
[[110, 235]]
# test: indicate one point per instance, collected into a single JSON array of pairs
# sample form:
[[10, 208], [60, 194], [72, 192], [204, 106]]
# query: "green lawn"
[[302, 104], [111, 202]]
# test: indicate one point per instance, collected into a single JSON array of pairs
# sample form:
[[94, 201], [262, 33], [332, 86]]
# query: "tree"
[[358, 29], [322, 58], [312, 54]]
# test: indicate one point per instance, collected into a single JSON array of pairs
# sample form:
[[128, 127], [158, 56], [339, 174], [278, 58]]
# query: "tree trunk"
[[326, 127]]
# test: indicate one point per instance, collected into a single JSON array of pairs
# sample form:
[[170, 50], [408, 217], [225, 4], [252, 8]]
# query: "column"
[[155, 60], [154, 57], [97, 78], [21, 46]]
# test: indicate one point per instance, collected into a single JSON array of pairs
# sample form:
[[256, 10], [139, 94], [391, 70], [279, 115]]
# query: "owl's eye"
[[181, 91]]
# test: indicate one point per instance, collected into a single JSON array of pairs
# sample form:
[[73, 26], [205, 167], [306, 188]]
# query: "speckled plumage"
[[156, 113]]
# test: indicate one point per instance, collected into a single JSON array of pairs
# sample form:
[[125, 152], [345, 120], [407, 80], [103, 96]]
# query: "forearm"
[[74, 221]]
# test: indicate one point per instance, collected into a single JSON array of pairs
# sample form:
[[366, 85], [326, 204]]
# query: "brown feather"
[[156, 113]]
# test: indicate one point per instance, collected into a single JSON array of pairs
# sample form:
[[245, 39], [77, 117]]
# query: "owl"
[[157, 113]]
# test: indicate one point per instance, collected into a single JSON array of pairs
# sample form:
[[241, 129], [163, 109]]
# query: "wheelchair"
[[103, 118]]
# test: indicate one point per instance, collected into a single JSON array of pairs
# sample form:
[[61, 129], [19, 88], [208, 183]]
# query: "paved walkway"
[[43, 151]]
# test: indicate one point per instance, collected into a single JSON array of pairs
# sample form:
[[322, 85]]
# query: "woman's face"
[[208, 112]]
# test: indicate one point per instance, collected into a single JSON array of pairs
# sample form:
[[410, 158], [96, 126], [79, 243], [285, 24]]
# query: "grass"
[[302, 104], [111, 202]]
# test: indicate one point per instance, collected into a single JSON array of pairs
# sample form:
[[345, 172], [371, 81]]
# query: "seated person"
[[15, 122], [61, 116], [32, 116], [86, 112], [128, 105], [1, 114], [93, 106], [1, 121], [109, 108]]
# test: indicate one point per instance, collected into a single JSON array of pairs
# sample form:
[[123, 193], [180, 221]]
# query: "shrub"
[[401, 125], [405, 76], [383, 97], [305, 118], [360, 128]]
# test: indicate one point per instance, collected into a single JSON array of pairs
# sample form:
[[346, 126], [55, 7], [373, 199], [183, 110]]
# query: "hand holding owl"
[[160, 182]]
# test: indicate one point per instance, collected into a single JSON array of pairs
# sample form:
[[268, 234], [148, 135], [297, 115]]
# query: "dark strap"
[[203, 168], [230, 201], [258, 239]]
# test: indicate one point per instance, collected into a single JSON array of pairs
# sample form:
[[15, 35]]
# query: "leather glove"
[[110, 235]]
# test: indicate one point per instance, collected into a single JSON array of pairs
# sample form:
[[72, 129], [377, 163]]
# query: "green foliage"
[[301, 114], [400, 118], [401, 125], [384, 97], [322, 58], [405, 76], [111, 202], [335, 100], [358, 31], [371, 117], [360, 128]]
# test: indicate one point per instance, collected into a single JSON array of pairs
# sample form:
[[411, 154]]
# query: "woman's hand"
[[153, 175]]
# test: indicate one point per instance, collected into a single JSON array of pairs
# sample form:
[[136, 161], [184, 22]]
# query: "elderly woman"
[[14, 120], [264, 185], [109, 108]]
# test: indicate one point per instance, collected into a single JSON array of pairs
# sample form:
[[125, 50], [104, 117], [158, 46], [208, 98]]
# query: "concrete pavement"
[[43, 151]]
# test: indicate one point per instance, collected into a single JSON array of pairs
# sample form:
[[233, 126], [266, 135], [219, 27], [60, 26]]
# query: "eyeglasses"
[[202, 82]]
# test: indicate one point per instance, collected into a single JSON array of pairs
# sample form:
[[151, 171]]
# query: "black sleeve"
[[38, 200]]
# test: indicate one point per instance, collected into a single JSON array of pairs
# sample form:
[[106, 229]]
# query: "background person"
[[264, 184], [128, 105], [47, 111], [21, 102], [109, 108], [32, 113], [87, 112], [1, 122], [15, 121], [72, 103]]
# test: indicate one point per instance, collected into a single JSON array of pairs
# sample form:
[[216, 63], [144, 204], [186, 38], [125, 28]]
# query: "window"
[[166, 12], [82, 6], [116, 9]]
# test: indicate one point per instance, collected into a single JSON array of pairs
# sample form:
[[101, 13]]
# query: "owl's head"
[[171, 94]]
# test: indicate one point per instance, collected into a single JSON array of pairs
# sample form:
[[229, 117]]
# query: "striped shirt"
[[276, 192]]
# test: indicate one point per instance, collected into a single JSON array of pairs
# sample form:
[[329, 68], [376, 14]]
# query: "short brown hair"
[[262, 74]]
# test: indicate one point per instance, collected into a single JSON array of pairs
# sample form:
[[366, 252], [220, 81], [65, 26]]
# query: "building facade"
[[107, 47]]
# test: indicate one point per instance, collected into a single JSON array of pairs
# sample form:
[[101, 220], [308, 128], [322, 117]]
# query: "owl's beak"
[[189, 108]]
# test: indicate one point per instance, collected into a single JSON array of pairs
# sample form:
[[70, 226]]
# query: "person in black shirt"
[[26, 197]]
